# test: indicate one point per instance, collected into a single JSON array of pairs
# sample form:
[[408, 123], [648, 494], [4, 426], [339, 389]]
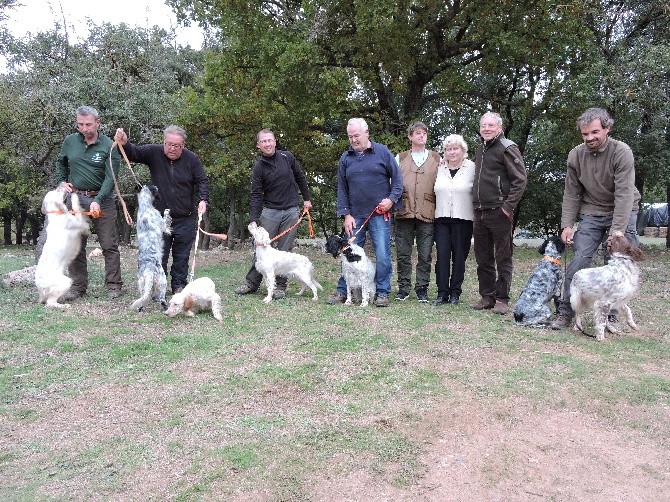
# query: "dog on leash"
[[272, 262], [602, 289], [357, 269], [543, 286], [151, 280], [198, 296], [64, 231]]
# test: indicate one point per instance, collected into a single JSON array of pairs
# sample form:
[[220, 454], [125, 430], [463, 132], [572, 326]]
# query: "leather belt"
[[87, 193]]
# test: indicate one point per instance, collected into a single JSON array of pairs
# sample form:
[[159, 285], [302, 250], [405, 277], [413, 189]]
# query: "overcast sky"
[[40, 15]]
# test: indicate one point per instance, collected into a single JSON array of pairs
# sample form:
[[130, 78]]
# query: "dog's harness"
[[552, 259]]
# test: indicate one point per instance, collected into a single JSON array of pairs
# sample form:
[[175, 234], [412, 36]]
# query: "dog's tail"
[[146, 286]]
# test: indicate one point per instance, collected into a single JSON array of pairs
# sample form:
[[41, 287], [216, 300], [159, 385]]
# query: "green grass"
[[276, 396]]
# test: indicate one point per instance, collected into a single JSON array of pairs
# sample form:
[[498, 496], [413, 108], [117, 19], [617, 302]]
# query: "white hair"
[[356, 121]]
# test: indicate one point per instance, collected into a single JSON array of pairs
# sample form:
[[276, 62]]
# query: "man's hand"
[[566, 235], [67, 186], [385, 205], [349, 225], [202, 207], [307, 205], [121, 137], [95, 209]]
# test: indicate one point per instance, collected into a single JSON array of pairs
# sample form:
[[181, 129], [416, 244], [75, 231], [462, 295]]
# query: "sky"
[[40, 15]]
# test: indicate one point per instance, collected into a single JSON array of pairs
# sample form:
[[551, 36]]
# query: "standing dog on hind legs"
[[357, 269], [272, 262], [607, 288], [64, 231], [542, 287], [151, 280]]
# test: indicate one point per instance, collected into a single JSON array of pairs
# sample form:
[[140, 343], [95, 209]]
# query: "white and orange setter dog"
[[64, 231], [612, 286], [198, 296], [272, 262]]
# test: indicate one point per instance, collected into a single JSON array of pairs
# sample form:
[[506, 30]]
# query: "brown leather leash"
[[92, 214], [387, 217], [311, 228]]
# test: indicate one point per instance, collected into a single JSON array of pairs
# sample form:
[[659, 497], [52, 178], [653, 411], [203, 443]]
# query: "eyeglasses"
[[173, 145]]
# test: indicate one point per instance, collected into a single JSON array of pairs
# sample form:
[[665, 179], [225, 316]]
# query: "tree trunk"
[[20, 223], [232, 213], [204, 238], [7, 219]]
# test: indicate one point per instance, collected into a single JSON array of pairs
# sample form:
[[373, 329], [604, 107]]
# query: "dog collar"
[[552, 259]]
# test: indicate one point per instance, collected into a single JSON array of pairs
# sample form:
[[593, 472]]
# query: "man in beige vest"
[[414, 221]]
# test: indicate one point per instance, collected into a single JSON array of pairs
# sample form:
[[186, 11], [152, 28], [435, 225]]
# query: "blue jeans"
[[380, 234], [591, 233]]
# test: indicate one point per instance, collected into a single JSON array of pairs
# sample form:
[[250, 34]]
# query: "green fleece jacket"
[[600, 183], [87, 166]]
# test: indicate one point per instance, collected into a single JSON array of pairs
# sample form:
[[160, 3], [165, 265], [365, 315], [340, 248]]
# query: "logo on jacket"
[[97, 158]]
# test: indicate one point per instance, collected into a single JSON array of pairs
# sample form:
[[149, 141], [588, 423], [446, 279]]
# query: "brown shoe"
[[483, 304], [562, 321], [336, 298], [381, 301], [501, 307]]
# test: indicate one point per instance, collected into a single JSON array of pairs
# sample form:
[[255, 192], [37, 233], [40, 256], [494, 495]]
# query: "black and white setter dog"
[[543, 286], [357, 269], [602, 289], [151, 280]]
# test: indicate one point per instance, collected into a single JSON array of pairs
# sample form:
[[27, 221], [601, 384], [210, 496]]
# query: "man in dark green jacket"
[[83, 167]]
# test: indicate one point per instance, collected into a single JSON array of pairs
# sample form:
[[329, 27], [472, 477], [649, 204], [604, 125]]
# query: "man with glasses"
[[175, 170]]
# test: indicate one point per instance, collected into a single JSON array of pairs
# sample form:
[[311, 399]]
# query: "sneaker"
[[401, 295], [382, 301], [72, 295], [562, 321], [278, 294], [613, 324], [114, 292], [336, 298], [501, 307], [440, 300], [245, 289], [422, 295], [483, 304]]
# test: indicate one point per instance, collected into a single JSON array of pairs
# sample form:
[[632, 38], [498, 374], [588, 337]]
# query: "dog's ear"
[[188, 303], [560, 245], [351, 256], [154, 191], [543, 247]]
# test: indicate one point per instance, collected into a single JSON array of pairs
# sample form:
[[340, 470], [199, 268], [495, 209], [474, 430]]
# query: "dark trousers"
[[105, 228], [492, 230], [275, 221], [180, 243], [453, 237], [406, 232]]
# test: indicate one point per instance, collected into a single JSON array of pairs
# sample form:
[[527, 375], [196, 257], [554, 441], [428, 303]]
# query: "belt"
[[87, 193]]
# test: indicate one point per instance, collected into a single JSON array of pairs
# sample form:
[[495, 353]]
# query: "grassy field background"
[[301, 401]]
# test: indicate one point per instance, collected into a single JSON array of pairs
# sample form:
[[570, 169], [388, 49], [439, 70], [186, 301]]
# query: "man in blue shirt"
[[368, 180]]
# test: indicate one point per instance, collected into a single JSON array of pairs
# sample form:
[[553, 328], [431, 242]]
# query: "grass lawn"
[[303, 401]]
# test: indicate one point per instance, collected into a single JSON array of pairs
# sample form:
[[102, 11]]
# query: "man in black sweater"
[[274, 203], [175, 170]]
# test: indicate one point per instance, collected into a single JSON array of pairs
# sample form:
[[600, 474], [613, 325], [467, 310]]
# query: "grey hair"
[[595, 113], [417, 125], [85, 111], [456, 139], [173, 129], [493, 114], [356, 121], [264, 131]]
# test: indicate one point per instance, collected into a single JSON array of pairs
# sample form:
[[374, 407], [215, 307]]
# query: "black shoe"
[[401, 295], [422, 295], [454, 299], [278, 294], [71, 295], [245, 289], [440, 300]]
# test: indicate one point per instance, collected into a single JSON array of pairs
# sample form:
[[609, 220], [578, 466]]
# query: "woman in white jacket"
[[453, 218]]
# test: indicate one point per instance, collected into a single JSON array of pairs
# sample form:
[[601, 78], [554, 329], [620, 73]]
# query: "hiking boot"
[[382, 301], [72, 295], [440, 300], [501, 307], [245, 289], [114, 292], [483, 304], [562, 321], [401, 295], [422, 295], [336, 298], [613, 324], [278, 294]]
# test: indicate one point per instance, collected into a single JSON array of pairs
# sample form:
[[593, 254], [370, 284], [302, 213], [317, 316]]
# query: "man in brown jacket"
[[415, 219]]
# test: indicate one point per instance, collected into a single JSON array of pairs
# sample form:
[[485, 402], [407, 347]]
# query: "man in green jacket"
[[600, 192], [83, 167]]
